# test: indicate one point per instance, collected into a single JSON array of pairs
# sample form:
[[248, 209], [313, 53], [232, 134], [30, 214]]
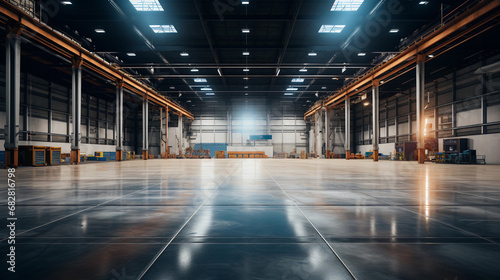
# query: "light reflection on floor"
[[257, 219]]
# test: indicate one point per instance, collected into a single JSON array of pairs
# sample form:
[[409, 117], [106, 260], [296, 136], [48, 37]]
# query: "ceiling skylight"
[[346, 5], [331, 28], [147, 5], [163, 28]]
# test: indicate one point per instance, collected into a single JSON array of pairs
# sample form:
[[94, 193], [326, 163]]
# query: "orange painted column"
[[75, 156], [11, 158]]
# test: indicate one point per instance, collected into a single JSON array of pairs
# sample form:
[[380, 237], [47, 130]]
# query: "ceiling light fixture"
[[303, 70], [278, 72], [184, 54], [219, 71], [163, 28], [200, 80], [331, 28], [245, 2], [292, 89], [361, 54], [131, 54], [194, 70], [288, 93], [312, 54], [67, 3], [210, 94], [344, 69], [100, 30], [246, 70], [246, 53], [206, 89], [346, 5], [298, 80], [394, 30], [147, 5], [423, 2], [245, 30]]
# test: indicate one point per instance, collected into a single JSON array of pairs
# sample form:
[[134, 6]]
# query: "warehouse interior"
[[221, 139]]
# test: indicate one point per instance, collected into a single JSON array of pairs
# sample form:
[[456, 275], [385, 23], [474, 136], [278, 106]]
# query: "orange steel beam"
[[435, 40], [66, 47]]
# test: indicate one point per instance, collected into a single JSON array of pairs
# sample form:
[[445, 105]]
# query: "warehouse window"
[[146, 5], [346, 5]]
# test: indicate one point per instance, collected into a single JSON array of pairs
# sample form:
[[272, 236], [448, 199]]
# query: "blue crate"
[[56, 157], [110, 156], [39, 157]]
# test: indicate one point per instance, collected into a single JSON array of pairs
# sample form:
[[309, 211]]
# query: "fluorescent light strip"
[[100, 30], [298, 80]]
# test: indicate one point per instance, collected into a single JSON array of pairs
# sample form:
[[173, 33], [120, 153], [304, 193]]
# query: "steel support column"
[[167, 150], [484, 106], [13, 97], [180, 134], [420, 95], [76, 102], [51, 115], [326, 130], [376, 117], [145, 126], [347, 143], [119, 121]]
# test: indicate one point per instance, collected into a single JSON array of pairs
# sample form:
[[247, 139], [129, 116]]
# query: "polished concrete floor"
[[255, 219]]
